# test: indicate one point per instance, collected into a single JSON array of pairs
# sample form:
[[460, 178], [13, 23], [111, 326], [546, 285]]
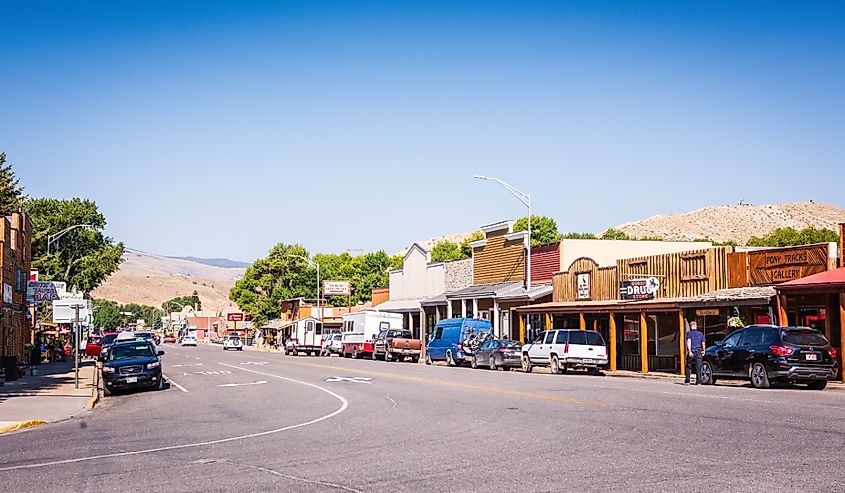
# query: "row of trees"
[[284, 274], [110, 315]]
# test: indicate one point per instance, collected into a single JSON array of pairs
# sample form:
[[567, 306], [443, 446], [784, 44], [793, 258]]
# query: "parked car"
[[766, 353], [189, 341], [233, 342], [396, 345], [169, 340], [132, 364], [447, 340], [106, 343], [498, 354], [566, 349], [332, 344]]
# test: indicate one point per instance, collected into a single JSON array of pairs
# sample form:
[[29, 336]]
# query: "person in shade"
[[695, 350]]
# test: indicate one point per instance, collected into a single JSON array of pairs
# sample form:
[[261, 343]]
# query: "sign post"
[[235, 317]]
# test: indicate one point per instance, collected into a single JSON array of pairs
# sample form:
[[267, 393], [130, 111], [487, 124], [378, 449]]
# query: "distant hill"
[[153, 279], [736, 222], [216, 262]]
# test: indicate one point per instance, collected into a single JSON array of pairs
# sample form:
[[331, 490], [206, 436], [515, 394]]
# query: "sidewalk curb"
[[93, 401], [31, 423]]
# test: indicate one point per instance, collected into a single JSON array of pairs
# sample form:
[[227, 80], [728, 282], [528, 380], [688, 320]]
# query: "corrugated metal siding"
[[603, 281], [681, 274], [545, 261], [499, 260]]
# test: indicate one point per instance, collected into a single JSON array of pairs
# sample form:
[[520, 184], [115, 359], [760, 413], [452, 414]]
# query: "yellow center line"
[[479, 388]]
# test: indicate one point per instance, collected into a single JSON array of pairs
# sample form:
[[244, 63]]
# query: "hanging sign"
[[639, 289], [39, 291], [583, 282]]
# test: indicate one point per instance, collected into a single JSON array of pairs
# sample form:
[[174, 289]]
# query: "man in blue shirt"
[[695, 350]]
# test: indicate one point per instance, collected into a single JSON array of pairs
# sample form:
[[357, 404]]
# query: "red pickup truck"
[[396, 345]]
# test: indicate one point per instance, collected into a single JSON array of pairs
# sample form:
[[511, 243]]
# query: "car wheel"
[[707, 377], [294, 352], [759, 376], [415, 359], [428, 359], [373, 356], [817, 385], [160, 385], [224, 348], [474, 362], [493, 363], [555, 365], [592, 371], [106, 391], [388, 356], [449, 360], [526, 364]]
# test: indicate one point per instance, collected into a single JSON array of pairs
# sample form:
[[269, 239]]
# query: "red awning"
[[49, 332], [831, 280]]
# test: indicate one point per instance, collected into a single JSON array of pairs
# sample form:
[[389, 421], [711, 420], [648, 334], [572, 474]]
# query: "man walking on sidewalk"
[[695, 350]]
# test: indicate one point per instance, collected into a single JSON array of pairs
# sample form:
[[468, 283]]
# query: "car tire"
[[474, 362], [428, 359], [555, 365], [388, 356], [526, 364], [493, 363], [759, 376], [106, 391], [449, 359], [706, 372], [373, 355], [415, 359], [593, 371], [160, 385], [817, 385], [294, 352]]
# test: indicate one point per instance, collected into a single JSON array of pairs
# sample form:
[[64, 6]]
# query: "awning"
[[439, 300], [831, 280], [400, 306]]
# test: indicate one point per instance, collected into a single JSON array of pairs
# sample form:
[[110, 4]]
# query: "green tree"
[[83, 257], [614, 234], [782, 237], [396, 262], [578, 236], [176, 304], [11, 193], [543, 229], [106, 314], [466, 249], [447, 250]]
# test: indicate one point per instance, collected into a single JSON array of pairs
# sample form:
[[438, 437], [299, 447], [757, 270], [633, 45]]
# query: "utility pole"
[[76, 335]]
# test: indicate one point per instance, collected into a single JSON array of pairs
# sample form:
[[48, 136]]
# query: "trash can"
[[10, 366]]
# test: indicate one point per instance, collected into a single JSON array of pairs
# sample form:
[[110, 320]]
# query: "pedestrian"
[[695, 351]]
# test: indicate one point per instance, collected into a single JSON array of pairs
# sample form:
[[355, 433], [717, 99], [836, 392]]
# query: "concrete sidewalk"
[[49, 396]]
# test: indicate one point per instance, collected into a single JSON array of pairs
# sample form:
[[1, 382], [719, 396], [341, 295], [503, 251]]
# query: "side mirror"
[[161, 353]]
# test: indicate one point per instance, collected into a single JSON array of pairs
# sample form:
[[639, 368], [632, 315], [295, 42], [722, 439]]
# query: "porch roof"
[[831, 280], [400, 306]]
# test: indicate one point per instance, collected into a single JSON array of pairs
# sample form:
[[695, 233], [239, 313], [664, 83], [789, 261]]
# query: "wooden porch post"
[[612, 336], [783, 319], [548, 321], [842, 335], [521, 318], [643, 343], [582, 322], [827, 312], [683, 342]]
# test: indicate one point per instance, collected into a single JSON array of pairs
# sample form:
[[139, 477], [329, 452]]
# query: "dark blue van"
[[446, 343]]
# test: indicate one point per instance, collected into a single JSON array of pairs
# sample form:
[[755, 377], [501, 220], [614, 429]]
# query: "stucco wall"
[[606, 252]]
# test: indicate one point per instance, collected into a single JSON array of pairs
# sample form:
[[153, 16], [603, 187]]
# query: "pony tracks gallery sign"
[[785, 264]]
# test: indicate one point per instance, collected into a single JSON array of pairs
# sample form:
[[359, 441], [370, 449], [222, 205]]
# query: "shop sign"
[[710, 312], [235, 317], [785, 264], [336, 288], [33, 275], [583, 282], [38, 291], [639, 289], [7, 293]]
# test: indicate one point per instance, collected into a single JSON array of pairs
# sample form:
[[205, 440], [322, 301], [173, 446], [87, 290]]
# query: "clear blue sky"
[[221, 128]]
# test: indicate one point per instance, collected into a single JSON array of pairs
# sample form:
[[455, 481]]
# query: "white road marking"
[[259, 382], [213, 372], [254, 363], [349, 379], [183, 389], [192, 364], [344, 404]]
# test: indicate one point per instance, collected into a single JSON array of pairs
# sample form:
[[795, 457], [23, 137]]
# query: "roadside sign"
[[336, 288], [235, 317], [33, 275], [40, 291]]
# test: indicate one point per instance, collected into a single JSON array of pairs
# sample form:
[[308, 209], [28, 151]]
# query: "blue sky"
[[221, 128]]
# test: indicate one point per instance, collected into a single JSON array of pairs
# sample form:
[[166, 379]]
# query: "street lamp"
[[54, 238], [315, 264], [526, 200]]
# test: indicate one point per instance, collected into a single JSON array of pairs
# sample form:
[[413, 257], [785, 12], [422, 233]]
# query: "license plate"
[[589, 361], [131, 379], [811, 357]]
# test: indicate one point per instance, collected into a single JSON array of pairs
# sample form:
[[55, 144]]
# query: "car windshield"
[[510, 344], [109, 338], [804, 338], [126, 351], [143, 335]]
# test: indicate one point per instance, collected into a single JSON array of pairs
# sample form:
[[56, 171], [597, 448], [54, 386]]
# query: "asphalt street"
[[252, 421]]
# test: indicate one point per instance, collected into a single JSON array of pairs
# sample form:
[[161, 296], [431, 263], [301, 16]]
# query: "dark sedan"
[[497, 354], [130, 365], [765, 353]]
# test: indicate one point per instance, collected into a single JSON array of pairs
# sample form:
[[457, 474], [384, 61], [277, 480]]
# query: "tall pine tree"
[[11, 193]]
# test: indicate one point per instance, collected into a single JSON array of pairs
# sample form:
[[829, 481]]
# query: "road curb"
[[30, 423], [93, 401]]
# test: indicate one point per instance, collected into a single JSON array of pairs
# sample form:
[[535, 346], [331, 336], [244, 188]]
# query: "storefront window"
[[813, 318], [668, 330], [536, 324], [631, 334]]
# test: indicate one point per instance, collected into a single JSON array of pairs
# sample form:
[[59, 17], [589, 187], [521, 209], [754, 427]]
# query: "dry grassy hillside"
[[736, 222], [152, 280]]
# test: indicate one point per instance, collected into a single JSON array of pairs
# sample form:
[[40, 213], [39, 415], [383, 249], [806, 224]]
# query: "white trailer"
[[306, 337], [361, 328]]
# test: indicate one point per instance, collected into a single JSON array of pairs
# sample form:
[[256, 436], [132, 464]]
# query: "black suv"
[[132, 364], [767, 353]]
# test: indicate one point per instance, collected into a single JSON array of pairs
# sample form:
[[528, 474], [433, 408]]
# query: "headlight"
[[154, 364], [108, 369]]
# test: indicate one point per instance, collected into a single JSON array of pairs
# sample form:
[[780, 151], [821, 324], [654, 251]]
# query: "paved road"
[[250, 421]]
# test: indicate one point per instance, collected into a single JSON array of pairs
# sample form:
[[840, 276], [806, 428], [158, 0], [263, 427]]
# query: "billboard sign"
[[235, 317], [336, 288], [38, 291]]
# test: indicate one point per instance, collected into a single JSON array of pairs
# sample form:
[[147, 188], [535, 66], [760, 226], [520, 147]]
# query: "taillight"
[[566, 348], [501, 350], [832, 352], [460, 346], [605, 351], [781, 350]]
